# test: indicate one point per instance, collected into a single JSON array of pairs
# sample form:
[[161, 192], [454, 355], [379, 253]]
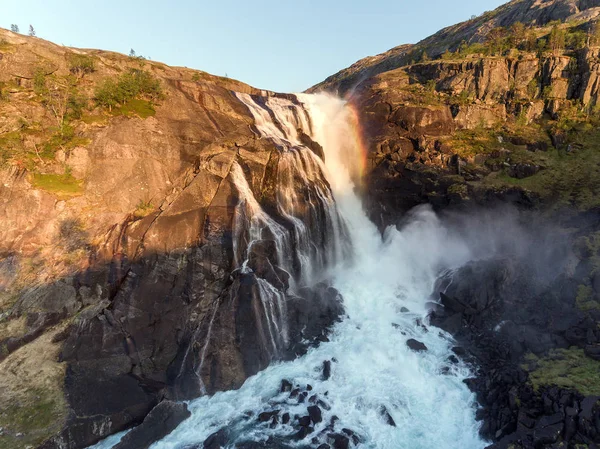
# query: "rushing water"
[[383, 278]]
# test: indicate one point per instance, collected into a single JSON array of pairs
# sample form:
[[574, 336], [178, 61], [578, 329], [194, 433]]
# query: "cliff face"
[[474, 126], [467, 128], [529, 12], [117, 243]]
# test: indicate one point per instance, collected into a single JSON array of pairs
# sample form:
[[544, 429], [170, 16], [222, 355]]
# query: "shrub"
[[79, 65], [39, 82], [133, 84]]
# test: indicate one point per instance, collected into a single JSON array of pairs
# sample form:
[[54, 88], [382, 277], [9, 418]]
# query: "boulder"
[[161, 421]]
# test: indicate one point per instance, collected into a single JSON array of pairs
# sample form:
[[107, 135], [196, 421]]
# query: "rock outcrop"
[[125, 249]]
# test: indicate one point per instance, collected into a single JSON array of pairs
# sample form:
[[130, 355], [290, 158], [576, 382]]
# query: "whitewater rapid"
[[386, 284]]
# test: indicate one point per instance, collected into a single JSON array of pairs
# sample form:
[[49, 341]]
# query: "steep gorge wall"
[[127, 288]]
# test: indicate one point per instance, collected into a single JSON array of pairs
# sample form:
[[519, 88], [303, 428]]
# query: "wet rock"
[[304, 421], [286, 385], [303, 433], [326, 369], [416, 345], [266, 416], [338, 441], [216, 440], [315, 414], [386, 416], [160, 422], [355, 439]]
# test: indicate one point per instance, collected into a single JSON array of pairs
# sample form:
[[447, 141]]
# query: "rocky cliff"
[[122, 184], [502, 109]]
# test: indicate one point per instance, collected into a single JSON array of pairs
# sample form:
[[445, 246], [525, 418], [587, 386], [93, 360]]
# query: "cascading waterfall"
[[385, 284]]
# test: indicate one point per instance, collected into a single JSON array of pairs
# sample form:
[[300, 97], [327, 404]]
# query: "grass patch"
[[571, 175], [5, 45], [566, 368], [585, 298], [143, 209], [10, 144], [141, 108], [90, 119], [64, 186], [34, 416]]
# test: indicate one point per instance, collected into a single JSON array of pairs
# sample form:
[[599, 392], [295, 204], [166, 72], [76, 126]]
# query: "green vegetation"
[[37, 415], [80, 65], [143, 209], [135, 106], [567, 368], [500, 41], [63, 186], [5, 45], [132, 85], [10, 144], [585, 298]]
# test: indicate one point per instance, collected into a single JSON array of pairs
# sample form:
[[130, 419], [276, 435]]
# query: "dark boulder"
[[216, 440], [416, 345], [315, 414], [160, 422]]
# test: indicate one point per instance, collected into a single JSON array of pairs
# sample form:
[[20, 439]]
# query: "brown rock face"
[[528, 12], [140, 266]]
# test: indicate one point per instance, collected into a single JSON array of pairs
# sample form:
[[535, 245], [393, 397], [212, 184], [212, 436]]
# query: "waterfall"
[[385, 281]]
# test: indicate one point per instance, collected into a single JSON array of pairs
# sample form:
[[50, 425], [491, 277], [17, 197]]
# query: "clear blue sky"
[[281, 45]]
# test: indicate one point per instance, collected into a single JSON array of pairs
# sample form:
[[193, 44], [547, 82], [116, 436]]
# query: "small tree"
[[79, 65], [497, 40], [517, 34], [424, 57], [14, 28], [531, 41], [594, 36], [556, 39], [132, 53], [31, 31]]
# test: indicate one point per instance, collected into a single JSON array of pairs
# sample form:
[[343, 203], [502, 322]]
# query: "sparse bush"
[[594, 37], [557, 38], [71, 233], [14, 28], [130, 85], [39, 82], [79, 65], [143, 209], [447, 55], [533, 88]]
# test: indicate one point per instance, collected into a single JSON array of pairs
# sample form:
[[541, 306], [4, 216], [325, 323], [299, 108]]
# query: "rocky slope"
[[490, 116], [118, 239], [529, 12]]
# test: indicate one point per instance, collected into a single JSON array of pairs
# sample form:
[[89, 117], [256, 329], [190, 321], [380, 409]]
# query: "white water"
[[374, 366]]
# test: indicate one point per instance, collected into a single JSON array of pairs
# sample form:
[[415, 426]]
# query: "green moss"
[[36, 416], [143, 209], [10, 144], [569, 178], [585, 298], [458, 189], [567, 368], [61, 185], [90, 119], [141, 108], [5, 45]]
